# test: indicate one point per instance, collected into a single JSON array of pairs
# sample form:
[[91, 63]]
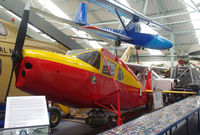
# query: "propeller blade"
[[17, 53], [195, 52], [195, 58]]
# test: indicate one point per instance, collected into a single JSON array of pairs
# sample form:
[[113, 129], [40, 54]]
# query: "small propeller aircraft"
[[92, 78], [132, 33]]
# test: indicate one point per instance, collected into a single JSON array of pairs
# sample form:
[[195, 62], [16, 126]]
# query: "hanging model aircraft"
[[137, 32]]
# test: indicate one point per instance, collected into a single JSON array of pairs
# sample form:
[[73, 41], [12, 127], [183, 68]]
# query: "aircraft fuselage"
[[69, 80]]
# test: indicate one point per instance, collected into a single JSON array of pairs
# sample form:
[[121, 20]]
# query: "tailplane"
[[81, 13]]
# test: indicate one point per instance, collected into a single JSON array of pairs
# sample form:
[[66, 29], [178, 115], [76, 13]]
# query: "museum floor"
[[74, 128]]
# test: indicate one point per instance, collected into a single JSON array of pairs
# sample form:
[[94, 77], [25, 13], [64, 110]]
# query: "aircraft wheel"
[[55, 116], [98, 121], [117, 42], [137, 47], [2, 118]]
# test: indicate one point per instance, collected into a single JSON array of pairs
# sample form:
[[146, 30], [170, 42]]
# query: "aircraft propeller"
[[17, 53]]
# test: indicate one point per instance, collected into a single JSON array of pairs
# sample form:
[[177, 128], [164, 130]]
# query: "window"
[[120, 75], [92, 58], [78, 51], [111, 66], [143, 28], [3, 30]]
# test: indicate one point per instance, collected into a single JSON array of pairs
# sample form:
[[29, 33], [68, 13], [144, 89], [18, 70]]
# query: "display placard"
[[25, 111], [157, 99]]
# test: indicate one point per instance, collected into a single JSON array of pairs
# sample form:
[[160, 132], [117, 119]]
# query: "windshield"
[[143, 28], [3, 30], [78, 51], [93, 58]]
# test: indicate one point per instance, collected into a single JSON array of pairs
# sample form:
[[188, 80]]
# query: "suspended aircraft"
[[138, 28]]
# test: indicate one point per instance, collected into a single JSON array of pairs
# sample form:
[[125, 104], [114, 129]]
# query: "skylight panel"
[[194, 17]]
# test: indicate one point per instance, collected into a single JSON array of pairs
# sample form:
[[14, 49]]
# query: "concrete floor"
[[74, 128]]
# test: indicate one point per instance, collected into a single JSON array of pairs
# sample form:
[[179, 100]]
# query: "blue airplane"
[[137, 32]]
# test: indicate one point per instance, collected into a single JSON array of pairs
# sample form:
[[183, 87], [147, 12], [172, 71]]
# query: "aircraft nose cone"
[[159, 42], [164, 41]]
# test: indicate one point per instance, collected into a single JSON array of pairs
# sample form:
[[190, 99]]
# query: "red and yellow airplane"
[[80, 79], [92, 78]]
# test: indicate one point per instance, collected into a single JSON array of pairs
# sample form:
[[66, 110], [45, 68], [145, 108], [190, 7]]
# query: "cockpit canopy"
[[143, 28], [90, 57]]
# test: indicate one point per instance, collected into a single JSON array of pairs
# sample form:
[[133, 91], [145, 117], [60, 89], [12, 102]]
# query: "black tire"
[[117, 42], [55, 116], [2, 118], [137, 47]]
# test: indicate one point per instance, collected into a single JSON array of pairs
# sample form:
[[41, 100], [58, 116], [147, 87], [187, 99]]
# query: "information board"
[[25, 111]]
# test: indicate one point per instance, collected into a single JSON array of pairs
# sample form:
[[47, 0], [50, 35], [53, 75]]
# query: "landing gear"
[[96, 118], [118, 42], [55, 116], [138, 47]]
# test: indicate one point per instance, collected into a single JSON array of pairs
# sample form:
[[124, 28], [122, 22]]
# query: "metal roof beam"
[[181, 31], [178, 43], [157, 9], [173, 15], [188, 44], [184, 3], [179, 22], [145, 6], [153, 18], [40, 23], [195, 5], [162, 9]]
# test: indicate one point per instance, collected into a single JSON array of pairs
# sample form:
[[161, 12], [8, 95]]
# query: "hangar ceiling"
[[179, 15]]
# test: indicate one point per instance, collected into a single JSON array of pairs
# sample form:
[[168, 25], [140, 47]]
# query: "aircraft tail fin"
[[81, 13]]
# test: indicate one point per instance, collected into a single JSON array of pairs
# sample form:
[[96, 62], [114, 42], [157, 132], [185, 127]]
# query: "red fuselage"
[[62, 79]]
